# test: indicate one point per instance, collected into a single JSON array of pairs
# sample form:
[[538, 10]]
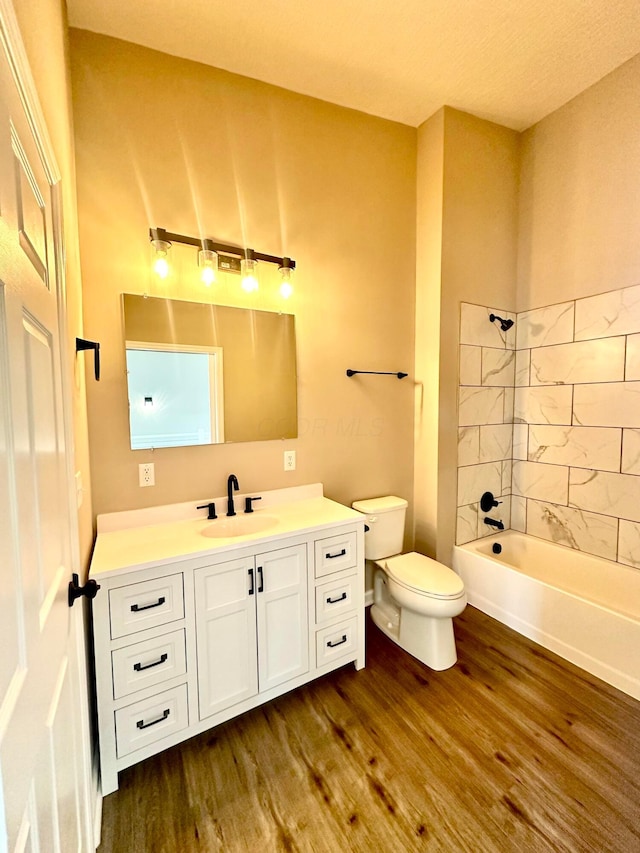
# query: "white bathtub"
[[583, 608]]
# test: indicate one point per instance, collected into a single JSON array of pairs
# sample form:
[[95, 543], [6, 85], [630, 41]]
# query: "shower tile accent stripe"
[[549, 422]]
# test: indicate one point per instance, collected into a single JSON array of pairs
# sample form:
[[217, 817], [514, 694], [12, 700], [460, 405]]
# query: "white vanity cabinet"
[[251, 626], [191, 632]]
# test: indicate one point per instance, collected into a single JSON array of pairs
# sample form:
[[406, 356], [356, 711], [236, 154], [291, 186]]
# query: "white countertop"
[[123, 545]]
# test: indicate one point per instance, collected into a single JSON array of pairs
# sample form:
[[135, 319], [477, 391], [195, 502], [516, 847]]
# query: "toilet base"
[[431, 641], [387, 619]]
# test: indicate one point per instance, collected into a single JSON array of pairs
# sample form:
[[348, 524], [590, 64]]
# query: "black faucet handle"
[[248, 504], [488, 502], [211, 507]]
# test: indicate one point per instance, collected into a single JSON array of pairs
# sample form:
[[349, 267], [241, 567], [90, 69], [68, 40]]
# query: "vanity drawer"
[[151, 720], [145, 605], [335, 598], [337, 641], [335, 553], [148, 663]]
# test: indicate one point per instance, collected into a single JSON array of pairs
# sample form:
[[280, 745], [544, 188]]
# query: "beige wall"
[[167, 142], [430, 178], [580, 196], [479, 251], [48, 59], [480, 163]]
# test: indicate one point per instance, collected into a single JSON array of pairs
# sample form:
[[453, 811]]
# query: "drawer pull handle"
[[135, 608], [336, 600], [339, 554], [142, 725], [339, 643], [140, 667]]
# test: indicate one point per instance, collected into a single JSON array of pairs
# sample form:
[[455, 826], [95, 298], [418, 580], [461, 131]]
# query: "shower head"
[[505, 325]]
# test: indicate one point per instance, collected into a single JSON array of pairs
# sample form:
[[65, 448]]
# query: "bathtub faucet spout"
[[493, 523]]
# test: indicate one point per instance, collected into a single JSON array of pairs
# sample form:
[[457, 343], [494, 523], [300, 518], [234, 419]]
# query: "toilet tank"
[[385, 519]]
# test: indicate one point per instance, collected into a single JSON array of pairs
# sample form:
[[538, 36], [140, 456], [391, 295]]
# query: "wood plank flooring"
[[513, 749]]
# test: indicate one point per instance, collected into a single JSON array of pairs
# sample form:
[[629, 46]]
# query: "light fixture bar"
[[220, 248]]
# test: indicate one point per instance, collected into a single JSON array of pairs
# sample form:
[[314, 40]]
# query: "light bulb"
[[286, 287], [208, 263], [161, 267], [249, 271], [160, 261]]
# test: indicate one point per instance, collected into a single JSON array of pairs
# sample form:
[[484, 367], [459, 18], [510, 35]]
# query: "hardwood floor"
[[513, 749]]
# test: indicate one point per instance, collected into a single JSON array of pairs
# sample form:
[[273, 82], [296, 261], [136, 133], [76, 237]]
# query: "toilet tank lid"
[[374, 506]]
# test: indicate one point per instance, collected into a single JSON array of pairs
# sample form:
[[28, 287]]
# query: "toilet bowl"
[[415, 597]]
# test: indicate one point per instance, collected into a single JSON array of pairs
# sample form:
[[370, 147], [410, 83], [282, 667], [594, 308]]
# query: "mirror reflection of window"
[[175, 396], [260, 372]]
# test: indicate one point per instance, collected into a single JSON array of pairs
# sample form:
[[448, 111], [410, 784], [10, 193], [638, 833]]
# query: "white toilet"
[[415, 598]]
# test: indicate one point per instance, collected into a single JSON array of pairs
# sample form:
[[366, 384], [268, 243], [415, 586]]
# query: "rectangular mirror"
[[199, 373]]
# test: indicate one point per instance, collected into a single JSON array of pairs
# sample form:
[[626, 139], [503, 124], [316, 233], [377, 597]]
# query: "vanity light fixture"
[[214, 256], [286, 273], [160, 259], [208, 263], [249, 271]]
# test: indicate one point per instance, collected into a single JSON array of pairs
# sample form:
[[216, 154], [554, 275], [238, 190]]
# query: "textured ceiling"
[[511, 61]]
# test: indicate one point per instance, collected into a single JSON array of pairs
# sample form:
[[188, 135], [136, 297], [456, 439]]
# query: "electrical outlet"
[[147, 474], [289, 460]]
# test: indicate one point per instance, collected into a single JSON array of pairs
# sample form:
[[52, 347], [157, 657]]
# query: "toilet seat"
[[424, 576]]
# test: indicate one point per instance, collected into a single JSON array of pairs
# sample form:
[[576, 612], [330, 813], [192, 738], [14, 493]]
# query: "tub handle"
[[488, 502]]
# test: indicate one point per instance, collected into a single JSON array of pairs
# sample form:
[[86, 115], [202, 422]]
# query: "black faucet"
[[493, 523], [232, 483]]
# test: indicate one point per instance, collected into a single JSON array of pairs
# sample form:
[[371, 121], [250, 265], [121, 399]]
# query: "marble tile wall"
[[570, 470], [485, 419]]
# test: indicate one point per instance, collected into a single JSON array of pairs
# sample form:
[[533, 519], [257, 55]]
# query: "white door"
[[43, 763], [226, 635], [283, 624]]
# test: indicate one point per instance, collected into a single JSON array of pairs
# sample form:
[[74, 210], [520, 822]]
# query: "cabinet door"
[[283, 625], [225, 635]]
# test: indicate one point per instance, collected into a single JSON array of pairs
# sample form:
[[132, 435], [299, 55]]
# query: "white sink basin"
[[239, 525]]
